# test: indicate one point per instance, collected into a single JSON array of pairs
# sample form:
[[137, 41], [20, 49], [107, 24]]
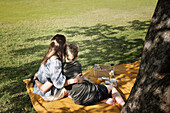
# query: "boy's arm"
[[78, 79], [47, 85], [87, 79]]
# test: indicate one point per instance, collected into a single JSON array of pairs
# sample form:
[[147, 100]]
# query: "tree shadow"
[[104, 44], [19, 99], [30, 50], [139, 25]]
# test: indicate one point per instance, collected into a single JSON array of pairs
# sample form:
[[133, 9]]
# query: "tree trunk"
[[151, 91]]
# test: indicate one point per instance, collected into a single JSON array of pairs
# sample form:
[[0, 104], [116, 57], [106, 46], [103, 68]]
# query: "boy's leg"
[[109, 88], [117, 96], [110, 101]]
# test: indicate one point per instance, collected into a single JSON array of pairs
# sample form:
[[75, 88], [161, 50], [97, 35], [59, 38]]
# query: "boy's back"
[[81, 92]]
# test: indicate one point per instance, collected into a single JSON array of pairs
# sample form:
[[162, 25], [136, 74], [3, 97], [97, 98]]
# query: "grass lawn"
[[107, 31]]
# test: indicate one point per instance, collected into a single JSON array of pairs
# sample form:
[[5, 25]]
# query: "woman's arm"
[[43, 87], [47, 85]]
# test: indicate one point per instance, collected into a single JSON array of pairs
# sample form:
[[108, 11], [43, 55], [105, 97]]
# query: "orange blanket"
[[125, 75]]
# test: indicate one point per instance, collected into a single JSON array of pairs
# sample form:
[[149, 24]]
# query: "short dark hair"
[[71, 51]]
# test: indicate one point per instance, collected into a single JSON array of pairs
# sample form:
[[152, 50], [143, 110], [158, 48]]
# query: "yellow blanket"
[[125, 75]]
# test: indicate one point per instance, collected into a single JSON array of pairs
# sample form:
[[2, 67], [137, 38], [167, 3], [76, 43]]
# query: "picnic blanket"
[[125, 75]]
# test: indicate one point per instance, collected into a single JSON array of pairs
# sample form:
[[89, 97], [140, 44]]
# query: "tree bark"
[[151, 91]]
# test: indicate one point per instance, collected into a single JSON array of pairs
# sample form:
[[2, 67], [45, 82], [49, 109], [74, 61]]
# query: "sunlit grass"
[[108, 32], [13, 11]]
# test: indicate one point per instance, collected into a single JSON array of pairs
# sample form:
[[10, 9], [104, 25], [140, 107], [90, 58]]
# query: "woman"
[[49, 80]]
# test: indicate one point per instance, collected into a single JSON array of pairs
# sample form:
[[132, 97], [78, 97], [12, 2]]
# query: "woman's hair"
[[71, 51], [57, 47]]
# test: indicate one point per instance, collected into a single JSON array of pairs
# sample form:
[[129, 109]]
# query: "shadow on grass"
[[30, 51], [104, 44], [108, 44], [13, 94]]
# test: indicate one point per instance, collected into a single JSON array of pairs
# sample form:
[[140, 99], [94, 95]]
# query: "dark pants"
[[101, 94]]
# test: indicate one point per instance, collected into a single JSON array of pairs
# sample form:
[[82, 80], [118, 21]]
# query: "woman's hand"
[[79, 78], [33, 78]]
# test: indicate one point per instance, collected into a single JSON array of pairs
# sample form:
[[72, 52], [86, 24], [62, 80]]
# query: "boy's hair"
[[71, 51]]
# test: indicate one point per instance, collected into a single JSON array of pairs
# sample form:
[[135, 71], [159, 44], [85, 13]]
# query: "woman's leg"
[[59, 95], [65, 92]]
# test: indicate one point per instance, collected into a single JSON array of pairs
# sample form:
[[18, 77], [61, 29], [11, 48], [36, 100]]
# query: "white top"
[[52, 71]]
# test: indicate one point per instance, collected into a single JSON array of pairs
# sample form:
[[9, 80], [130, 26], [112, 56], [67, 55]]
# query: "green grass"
[[108, 32]]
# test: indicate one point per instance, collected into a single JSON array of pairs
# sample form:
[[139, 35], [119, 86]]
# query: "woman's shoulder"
[[54, 59]]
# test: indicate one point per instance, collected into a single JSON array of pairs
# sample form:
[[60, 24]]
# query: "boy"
[[86, 93]]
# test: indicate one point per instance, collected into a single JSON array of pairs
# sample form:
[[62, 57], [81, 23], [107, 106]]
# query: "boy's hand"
[[80, 78]]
